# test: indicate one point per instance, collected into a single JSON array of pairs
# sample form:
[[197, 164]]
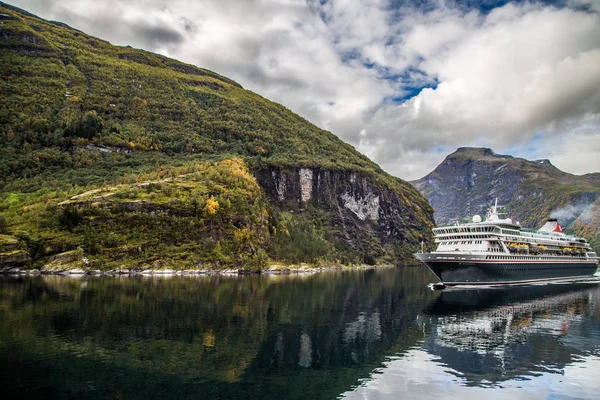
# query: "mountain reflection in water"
[[360, 333]]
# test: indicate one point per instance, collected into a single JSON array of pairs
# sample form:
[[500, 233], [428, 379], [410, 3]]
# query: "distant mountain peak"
[[544, 163], [476, 150], [471, 178], [477, 153]]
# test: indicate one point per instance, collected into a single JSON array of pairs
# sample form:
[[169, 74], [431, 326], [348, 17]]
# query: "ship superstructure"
[[496, 250]]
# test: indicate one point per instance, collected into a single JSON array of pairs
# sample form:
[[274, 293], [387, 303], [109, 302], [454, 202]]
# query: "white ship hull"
[[499, 251]]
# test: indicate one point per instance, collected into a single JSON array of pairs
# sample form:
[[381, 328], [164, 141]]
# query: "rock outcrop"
[[11, 257], [357, 206]]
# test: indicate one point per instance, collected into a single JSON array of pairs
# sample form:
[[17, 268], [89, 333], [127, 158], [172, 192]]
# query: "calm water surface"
[[374, 334]]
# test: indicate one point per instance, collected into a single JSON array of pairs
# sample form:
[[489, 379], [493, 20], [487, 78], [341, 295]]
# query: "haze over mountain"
[[137, 160], [469, 180]]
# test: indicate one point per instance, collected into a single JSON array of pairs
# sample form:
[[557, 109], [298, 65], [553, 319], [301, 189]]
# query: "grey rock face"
[[359, 208], [467, 182], [306, 183], [13, 259], [367, 207]]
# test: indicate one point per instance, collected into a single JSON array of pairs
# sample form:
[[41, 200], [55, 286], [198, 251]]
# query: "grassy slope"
[[63, 91]]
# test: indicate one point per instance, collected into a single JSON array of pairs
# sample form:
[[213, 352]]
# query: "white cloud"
[[418, 374], [503, 78], [577, 150]]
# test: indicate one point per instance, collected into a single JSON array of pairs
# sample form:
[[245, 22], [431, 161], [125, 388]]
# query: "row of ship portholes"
[[549, 252], [527, 258], [533, 268]]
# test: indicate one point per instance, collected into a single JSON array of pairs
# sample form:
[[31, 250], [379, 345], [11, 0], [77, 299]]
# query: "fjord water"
[[377, 333]]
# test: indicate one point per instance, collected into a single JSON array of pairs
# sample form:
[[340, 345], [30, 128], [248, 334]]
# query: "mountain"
[[130, 159], [469, 180]]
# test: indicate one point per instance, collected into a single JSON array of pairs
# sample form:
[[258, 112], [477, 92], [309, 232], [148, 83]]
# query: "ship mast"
[[493, 213]]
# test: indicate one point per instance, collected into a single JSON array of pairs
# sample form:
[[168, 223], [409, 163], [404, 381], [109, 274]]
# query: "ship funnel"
[[551, 225]]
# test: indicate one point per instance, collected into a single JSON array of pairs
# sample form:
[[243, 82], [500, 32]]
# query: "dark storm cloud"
[[188, 25], [156, 36]]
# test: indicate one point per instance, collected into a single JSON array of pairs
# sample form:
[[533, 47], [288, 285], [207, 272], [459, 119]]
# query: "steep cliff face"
[[359, 211], [470, 179]]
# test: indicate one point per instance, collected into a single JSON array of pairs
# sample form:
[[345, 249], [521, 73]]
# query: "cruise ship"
[[498, 251]]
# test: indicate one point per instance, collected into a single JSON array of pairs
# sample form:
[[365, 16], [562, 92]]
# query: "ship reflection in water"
[[529, 341], [502, 326]]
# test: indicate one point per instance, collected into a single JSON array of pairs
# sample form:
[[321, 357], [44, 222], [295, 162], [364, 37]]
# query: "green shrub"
[[112, 240], [3, 224], [69, 218]]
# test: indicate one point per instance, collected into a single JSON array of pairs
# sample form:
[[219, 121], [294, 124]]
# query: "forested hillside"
[[131, 159]]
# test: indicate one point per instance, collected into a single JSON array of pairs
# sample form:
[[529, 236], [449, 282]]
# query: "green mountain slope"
[[134, 159], [468, 181]]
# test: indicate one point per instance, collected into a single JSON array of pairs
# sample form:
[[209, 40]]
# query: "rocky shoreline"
[[273, 270]]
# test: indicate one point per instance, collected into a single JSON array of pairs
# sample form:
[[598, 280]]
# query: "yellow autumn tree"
[[211, 207], [241, 236]]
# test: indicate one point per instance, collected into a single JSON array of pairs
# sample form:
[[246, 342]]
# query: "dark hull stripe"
[[472, 272], [516, 282], [504, 261]]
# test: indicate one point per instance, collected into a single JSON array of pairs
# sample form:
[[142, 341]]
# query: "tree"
[[211, 207], [91, 125], [3, 224]]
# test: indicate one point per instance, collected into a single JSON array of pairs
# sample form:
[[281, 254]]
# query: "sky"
[[405, 82]]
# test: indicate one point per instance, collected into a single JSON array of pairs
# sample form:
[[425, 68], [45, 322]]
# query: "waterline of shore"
[[272, 270]]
